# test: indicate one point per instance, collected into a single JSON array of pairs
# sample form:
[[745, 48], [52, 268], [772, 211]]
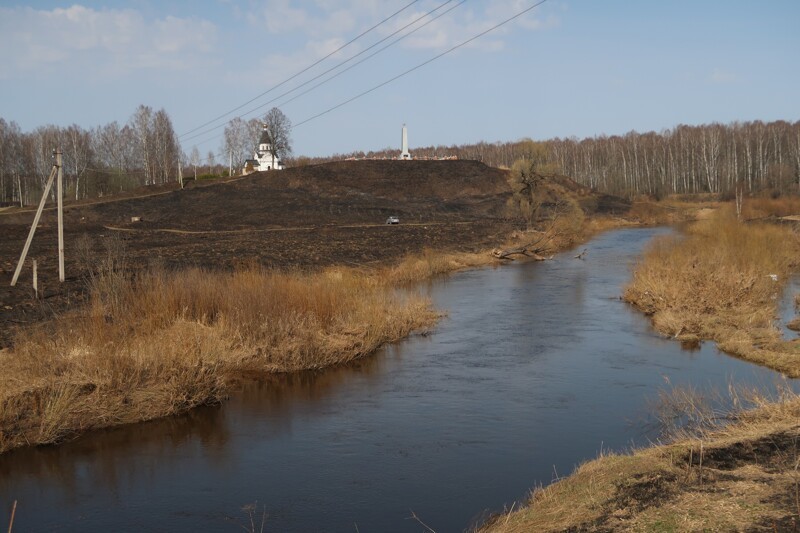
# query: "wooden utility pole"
[[56, 171], [33, 226], [60, 194]]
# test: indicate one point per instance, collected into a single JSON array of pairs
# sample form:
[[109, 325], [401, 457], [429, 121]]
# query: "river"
[[536, 368]]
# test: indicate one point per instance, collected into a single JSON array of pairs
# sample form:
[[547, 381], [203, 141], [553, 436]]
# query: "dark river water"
[[536, 368]]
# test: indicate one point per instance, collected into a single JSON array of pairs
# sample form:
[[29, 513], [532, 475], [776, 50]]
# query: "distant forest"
[[104, 160], [712, 158], [686, 159], [117, 157]]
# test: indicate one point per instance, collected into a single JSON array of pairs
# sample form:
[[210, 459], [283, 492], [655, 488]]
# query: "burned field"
[[301, 218]]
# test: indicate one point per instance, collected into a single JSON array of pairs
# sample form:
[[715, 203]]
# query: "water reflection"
[[97, 456]]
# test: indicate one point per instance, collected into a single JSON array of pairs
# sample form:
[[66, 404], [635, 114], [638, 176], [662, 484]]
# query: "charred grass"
[[721, 281], [162, 342]]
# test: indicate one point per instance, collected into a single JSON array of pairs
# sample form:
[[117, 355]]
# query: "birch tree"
[[236, 141], [194, 160]]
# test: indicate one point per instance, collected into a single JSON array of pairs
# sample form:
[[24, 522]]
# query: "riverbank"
[[161, 343], [739, 478], [157, 342], [720, 281]]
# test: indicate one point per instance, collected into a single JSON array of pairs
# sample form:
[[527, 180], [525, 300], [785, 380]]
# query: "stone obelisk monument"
[[404, 153]]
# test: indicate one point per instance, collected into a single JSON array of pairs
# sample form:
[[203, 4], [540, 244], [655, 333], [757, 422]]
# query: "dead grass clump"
[[651, 213], [163, 342], [670, 211], [720, 281], [430, 264], [756, 208]]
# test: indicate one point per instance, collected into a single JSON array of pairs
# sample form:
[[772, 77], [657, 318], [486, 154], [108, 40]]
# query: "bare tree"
[[194, 160], [44, 141], [254, 129], [524, 180], [140, 123], [77, 154], [236, 141], [10, 158], [166, 148], [279, 128], [211, 161]]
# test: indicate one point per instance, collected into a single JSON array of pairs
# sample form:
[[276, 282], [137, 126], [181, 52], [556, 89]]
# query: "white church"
[[263, 159]]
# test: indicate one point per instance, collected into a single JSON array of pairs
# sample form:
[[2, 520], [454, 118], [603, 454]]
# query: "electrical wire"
[[417, 67], [409, 71], [261, 106], [292, 99], [348, 43]]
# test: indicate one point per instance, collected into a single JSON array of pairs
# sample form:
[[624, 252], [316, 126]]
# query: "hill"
[[303, 217]]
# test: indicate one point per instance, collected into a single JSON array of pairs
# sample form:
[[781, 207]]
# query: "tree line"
[[711, 158], [99, 161], [116, 157]]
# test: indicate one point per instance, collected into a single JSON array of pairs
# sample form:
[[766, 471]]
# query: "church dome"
[[265, 138]]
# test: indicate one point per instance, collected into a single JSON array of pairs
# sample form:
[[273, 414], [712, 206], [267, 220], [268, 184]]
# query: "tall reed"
[[163, 342]]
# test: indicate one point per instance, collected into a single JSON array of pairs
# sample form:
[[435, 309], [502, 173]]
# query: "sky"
[[565, 68]]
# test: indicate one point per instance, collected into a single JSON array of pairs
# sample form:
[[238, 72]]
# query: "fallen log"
[[506, 254]]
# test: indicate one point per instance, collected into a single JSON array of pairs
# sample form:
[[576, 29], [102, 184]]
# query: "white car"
[[393, 220]]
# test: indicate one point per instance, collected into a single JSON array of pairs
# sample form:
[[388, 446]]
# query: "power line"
[[260, 106], [390, 80], [348, 43], [292, 99], [452, 49]]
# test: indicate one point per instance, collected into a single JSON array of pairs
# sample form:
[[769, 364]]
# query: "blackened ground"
[[304, 217]]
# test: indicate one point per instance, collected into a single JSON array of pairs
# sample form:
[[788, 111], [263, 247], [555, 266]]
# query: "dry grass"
[[713, 283], [716, 282], [740, 477], [164, 342], [756, 208], [429, 264], [671, 210]]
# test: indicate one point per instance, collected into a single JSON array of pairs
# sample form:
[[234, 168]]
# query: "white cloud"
[[458, 23], [93, 42], [317, 22], [321, 19], [304, 32]]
